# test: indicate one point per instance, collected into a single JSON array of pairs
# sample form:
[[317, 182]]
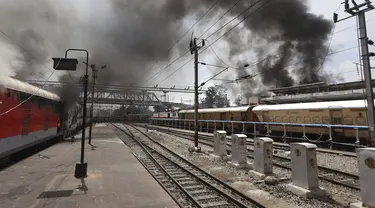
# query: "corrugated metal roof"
[[221, 110], [314, 105], [14, 84]]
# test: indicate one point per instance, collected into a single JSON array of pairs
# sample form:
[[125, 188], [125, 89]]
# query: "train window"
[[278, 119], [299, 119], [316, 119], [292, 119], [8, 93], [348, 121], [222, 116], [285, 119], [360, 121], [272, 119], [326, 120], [337, 120], [307, 119]]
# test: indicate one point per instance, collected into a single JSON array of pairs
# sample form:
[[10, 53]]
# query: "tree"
[[216, 97]]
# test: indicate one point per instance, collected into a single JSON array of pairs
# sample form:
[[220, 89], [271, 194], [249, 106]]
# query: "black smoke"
[[36, 29], [131, 36]]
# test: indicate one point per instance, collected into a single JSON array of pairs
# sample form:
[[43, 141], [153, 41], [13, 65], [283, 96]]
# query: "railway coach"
[[240, 113], [352, 112], [28, 115]]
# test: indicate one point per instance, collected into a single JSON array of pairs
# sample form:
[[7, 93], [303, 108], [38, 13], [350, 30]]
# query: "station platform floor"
[[331, 151], [115, 177]]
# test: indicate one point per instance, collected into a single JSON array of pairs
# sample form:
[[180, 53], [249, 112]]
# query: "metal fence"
[[234, 126]]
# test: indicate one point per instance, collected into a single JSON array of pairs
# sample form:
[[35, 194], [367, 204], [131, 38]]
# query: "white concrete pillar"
[[239, 151], [304, 170], [263, 157], [366, 163], [220, 144]]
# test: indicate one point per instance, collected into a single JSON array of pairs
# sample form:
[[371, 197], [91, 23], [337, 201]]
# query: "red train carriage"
[[28, 115]]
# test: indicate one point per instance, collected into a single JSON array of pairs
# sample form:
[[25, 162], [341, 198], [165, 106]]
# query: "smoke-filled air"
[[135, 38]]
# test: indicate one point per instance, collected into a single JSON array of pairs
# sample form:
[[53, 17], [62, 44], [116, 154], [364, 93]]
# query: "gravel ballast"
[[271, 195]]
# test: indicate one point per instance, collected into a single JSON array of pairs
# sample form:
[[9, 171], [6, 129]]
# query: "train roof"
[[15, 84], [314, 105], [219, 110]]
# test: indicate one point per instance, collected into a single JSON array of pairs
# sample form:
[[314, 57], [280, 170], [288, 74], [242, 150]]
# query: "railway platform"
[[115, 177]]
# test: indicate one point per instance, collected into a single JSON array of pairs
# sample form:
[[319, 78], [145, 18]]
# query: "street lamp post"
[[71, 64]]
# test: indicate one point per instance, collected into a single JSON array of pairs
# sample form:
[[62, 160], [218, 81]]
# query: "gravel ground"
[[272, 196], [338, 162], [333, 161]]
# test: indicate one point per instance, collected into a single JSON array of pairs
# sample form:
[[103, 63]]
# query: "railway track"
[[331, 175], [186, 183], [276, 145]]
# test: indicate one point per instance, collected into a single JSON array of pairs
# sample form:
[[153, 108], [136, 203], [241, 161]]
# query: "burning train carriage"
[[28, 115]]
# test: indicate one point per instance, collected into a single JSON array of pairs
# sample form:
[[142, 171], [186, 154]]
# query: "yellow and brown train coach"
[[353, 112], [241, 113]]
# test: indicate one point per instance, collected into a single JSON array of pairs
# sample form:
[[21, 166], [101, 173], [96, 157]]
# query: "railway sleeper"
[[194, 188], [208, 197], [215, 204], [189, 183]]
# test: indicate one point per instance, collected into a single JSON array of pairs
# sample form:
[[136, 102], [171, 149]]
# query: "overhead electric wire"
[[203, 83], [243, 12], [15, 43], [52, 73], [259, 73], [199, 19], [221, 17], [221, 35]]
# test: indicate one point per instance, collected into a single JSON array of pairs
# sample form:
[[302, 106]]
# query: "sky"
[[339, 64]]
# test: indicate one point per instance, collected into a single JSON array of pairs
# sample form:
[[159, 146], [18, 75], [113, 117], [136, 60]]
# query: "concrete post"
[[220, 145], [239, 151], [366, 163], [263, 157], [304, 171]]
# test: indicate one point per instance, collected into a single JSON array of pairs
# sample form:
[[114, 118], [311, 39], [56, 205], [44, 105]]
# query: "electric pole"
[[359, 12], [94, 77], [194, 50]]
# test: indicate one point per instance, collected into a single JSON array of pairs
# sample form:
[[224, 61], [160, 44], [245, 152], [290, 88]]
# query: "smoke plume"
[[131, 36]]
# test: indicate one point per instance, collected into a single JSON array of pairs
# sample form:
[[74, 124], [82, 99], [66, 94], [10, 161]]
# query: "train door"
[[222, 118], [265, 115], [244, 116], [336, 119]]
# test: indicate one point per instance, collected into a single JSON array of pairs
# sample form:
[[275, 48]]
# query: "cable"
[[244, 11], [15, 43], [157, 73], [219, 37], [221, 17], [342, 30], [221, 59], [203, 83], [196, 22], [11, 109], [330, 42], [330, 54]]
